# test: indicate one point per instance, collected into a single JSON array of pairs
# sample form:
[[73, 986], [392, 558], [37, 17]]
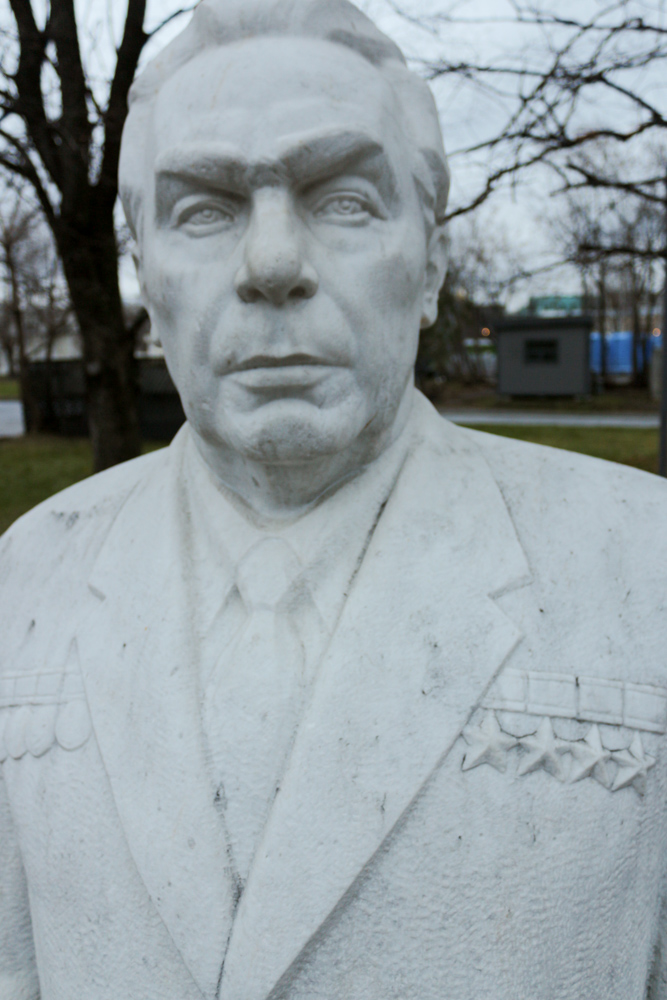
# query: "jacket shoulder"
[[595, 537], [70, 526], [572, 508], [593, 615], [546, 479]]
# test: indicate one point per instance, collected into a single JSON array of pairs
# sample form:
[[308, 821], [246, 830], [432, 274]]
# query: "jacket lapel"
[[140, 676], [419, 642]]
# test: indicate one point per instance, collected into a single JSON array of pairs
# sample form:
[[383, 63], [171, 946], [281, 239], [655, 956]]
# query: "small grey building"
[[538, 356]]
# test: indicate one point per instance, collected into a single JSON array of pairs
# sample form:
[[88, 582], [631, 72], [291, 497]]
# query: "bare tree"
[[636, 294], [570, 83], [566, 81], [8, 340], [57, 135], [35, 310], [15, 246], [614, 239]]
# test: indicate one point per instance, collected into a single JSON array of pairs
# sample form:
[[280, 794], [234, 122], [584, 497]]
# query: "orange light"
[[656, 332], [486, 332]]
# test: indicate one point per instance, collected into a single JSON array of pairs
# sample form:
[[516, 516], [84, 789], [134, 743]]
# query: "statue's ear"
[[436, 265]]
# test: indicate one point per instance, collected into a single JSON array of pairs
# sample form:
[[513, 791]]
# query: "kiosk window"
[[540, 352]]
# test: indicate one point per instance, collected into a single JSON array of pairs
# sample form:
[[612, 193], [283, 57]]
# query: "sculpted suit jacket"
[[475, 805]]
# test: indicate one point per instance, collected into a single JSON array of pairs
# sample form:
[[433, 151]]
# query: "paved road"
[[11, 418], [524, 417]]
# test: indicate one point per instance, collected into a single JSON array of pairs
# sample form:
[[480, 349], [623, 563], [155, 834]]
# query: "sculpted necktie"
[[253, 702]]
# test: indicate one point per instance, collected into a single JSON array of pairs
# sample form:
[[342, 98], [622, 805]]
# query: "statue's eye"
[[201, 218], [205, 216], [343, 207]]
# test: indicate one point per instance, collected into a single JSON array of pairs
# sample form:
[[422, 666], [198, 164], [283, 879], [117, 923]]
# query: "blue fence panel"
[[619, 352]]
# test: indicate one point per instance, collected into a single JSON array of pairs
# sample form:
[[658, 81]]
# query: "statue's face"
[[284, 253]]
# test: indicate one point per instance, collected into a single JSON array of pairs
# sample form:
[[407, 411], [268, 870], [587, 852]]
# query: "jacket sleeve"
[[18, 969]]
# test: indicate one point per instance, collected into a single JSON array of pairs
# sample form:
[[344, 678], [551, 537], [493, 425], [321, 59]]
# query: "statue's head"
[[284, 175]]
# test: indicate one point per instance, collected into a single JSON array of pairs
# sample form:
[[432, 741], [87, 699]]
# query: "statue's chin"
[[282, 434], [293, 444]]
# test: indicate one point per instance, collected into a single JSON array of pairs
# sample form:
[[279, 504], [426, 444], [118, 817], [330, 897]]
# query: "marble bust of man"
[[330, 698]]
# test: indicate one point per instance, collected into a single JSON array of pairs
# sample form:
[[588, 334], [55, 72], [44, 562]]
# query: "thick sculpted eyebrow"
[[302, 158]]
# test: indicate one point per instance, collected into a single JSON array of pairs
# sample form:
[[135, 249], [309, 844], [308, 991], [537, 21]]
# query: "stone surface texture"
[[331, 698]]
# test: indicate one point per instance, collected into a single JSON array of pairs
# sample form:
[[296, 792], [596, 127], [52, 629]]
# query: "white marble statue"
[[330, 700]]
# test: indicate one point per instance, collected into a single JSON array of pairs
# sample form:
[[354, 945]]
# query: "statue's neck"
[[285, 491]]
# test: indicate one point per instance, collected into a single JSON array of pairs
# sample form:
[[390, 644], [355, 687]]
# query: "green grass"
[[479, 396], [9, 388], [33, 468], [628, 446], [622, 399]]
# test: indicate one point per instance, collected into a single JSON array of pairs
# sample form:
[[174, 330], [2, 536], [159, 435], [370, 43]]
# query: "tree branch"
[[628, 250], [29, 102], [74, 126], [168, 20], [26, 168], [134, 39]]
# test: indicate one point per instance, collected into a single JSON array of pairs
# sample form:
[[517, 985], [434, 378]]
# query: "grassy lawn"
[[615, 444], [615, 399], [33, 468], [9, 388]]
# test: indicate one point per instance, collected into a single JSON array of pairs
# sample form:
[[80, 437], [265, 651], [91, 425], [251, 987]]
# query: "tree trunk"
[[50, 420], [602, 320], [31, 411], [637, 294], [638, 348], [111, 385], [8, 350], [90, 261]]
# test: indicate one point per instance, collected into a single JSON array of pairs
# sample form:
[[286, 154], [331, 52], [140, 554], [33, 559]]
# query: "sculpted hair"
[[216, 23]]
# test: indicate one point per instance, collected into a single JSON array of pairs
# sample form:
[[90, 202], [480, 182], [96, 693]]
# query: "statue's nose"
[[274, 267]]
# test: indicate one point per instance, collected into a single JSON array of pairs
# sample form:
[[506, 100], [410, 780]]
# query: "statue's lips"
[[294, 370]]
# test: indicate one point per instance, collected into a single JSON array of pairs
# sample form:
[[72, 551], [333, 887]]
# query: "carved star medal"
[[545, 752], [590, 758], [633, 766], [488, 745]]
